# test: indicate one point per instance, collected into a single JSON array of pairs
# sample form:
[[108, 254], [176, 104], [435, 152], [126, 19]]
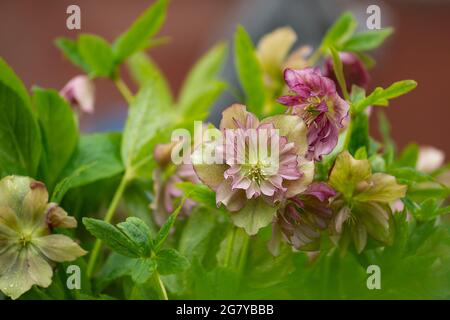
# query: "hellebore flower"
[[27, 245], [272, 52], [247, 180], [165, 178], [362, 207], [316, 101], [80, 93], [303, 217], [354, 72]]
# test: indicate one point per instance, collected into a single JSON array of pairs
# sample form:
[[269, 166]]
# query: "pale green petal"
[[9, 225], [359, 236], [293, 128], [34, 204], [375, 217], [347, 172], [28, 268], [236, 112], [254, 216], [13, 190], [380, 187], [8, 256], [211, 174], [294, 187], [274, 47], [59, 248]]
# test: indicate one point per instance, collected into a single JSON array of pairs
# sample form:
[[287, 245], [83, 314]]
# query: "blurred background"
[[419, 49]]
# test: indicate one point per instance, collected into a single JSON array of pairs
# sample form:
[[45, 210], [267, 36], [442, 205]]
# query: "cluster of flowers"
[[351, 205]]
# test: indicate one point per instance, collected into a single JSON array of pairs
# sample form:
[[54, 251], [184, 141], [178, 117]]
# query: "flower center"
[[255, 172], [25, 239]]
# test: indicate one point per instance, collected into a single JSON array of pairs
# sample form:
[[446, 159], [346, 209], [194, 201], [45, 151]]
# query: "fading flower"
[[354, 72], [249, 182], [165, 179], [303, 217], [316, 101], [80, 93], [27, 245], [362, 207]]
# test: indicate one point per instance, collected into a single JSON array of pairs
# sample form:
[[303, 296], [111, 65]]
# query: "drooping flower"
[[362, 207], [354, 72], [27, 245], [316, 101], [303, 217], [80, 93], [247, 180], [165, 178]]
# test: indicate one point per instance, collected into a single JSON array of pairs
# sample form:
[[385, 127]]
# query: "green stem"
[[123, 88], [348, 134], [108, 217], [230, 246], [244, 253], [160, 288]]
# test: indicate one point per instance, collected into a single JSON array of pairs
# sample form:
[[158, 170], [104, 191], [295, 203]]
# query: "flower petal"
[[254, 216], [59, 248], [57, 217], [237, 114]]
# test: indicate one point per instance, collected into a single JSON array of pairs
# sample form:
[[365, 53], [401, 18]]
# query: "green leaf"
[[408, 157], [204, 73], [97, 157], [145, 71], [255, 215], [365, 41], [20, 141], [167, 226], [97, 54], [148, 116], [112, 237], [137, 37], [142, 270], [249, 71], [410, 175], [359, 133], [170, 261], [200, 193], [340, 31], [339, 72], [137, 231], [10, 79], [194, 240], [70, 50], [381, 97], [59, 131]]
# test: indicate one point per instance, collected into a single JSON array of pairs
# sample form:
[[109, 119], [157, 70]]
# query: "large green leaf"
[[97, 157], [20, 141], [249, 71], [148, 116], [340, 31], [137, 37], [97, 54], [145, 71], [170, 261], [113, 237], [368, 40], [70, 50], [59, 131], [9, 78], [381, 97], [204, 72]]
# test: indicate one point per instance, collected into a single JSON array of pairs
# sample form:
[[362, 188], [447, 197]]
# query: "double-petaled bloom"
[[257, 164], [302, 218], [27, 245], [314, 98]]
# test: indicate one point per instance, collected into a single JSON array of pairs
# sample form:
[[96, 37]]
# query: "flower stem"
[[244, 253], [230, 246], [160, 288], [108, 217], [124, 90]]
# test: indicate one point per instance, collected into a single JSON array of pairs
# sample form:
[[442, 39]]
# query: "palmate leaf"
[[340, 31], [170, 261], [97, 54], [139, 232], [167, 226], [70, 50]]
